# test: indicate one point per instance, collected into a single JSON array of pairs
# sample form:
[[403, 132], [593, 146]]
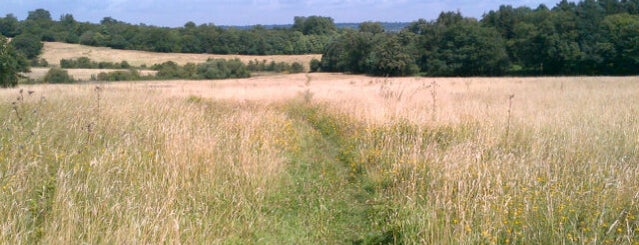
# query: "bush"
[[57, 75], [39, 63], [211, 69], [258, 66], [315, 65], [85, 62], [296, 67], [119, 76], [167, 70], [221, 68]]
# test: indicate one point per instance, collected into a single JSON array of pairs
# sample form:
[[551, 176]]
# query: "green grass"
[[147, 168]]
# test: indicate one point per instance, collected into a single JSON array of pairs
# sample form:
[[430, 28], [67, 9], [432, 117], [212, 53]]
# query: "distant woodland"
[[571, 38]]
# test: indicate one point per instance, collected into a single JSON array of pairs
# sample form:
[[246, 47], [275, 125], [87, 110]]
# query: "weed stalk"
[[15, 108], [510, 106], [433, 94], [98, 90]]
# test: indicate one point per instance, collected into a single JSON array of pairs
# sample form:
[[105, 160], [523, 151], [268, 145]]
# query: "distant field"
[[322, 159], [53, 52], [79, 74]]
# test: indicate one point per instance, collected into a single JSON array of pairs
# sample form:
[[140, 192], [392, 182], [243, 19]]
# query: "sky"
[[174, 13]]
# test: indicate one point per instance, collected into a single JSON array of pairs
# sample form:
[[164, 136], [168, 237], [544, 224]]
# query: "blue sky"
[[249, 12]]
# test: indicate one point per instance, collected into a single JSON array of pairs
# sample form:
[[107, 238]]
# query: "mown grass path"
[[322, 195]]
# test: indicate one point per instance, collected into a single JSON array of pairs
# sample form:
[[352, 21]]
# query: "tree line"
[[307, 35], [585, 38]]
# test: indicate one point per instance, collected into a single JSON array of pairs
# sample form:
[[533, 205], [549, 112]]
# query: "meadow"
[[322, 158], [53, 52]]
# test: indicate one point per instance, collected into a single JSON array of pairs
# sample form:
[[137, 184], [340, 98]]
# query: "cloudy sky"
[[249, 12]]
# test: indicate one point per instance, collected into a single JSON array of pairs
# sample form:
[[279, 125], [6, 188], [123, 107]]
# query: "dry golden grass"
[[323, 158], [115, 166], [53, 52], [537, 100]]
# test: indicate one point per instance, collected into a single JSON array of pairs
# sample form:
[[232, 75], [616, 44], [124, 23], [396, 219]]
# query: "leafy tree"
[[623, 33], [40, 24], [92, 38], [390, 58], [118, 42], [9, 26], [39, 15], [27, 44], [11, 64], [364, 52], [418, 27], [191, 44], [447, 19], [314, 25], [467, 49], [372, 27], [588, 16]]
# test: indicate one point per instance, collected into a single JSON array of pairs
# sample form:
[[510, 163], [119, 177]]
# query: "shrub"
[[119, 76], [259, 66], [296, 67], [315, 65], [39, 63], [57, 75], [220, 69], [167, 70], [85, 62]]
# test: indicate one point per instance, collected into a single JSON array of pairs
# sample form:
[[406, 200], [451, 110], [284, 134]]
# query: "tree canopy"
[[11, 64], [584, 38]]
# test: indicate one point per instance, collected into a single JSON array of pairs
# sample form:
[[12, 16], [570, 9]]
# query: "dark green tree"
[[390, 58], [623, 33], [9, 26], [468, 49], [314, 25], [39, 23], [12, 63], [39, 15], [92, 38], [27, 44], [371, 27]]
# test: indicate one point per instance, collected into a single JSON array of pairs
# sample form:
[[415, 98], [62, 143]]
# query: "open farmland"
[[53, 52], [79, 74], [322, 158]]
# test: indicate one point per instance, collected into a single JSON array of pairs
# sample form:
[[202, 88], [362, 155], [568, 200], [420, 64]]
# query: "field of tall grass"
[[322, 158]]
